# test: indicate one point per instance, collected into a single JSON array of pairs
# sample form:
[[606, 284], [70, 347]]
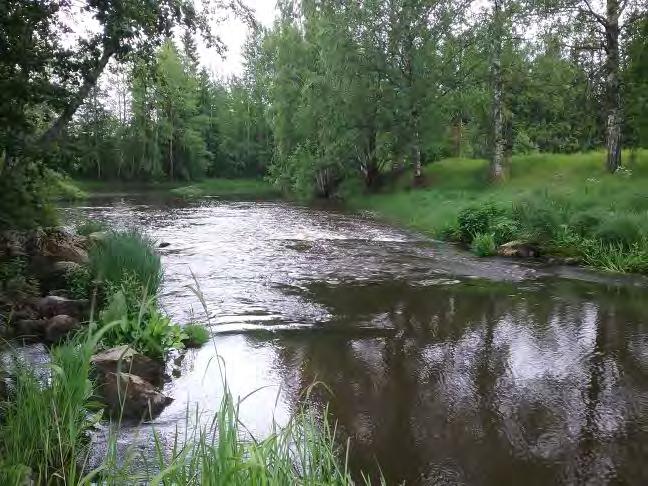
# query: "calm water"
[[442, 368]]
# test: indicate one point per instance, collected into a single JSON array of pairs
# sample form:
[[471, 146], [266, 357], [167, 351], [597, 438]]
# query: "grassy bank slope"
[[567, 204]]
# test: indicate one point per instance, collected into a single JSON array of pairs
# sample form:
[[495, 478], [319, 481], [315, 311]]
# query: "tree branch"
[[54, 131]]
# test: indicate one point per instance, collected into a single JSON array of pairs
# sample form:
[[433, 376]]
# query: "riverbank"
[[562, 206], [217, 187]]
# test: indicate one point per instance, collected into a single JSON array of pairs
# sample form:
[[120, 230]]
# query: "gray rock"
[[130, 396], [164, 244], [59, 327], [52, 305], [126, 359]]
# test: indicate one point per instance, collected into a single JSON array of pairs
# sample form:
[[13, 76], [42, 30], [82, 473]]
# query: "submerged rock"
[[131, 397], [59, 327], [520, 249], [126, 359], [52, 305]]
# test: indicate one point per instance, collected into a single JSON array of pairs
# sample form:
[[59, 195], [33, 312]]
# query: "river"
[[440, 367]]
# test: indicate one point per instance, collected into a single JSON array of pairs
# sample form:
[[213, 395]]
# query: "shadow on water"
[[442, 368]]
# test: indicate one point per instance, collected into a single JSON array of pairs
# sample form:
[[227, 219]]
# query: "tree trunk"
[[613, 128], [497, 160], [416, 155], [54, 131]]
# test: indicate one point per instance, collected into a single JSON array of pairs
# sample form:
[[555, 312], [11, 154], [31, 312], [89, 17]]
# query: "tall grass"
[[124, 253], [44, 439]]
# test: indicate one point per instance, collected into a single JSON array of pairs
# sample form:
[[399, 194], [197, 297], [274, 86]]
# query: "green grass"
[[123, 254], [44, 437], [257, 188], [544, 194], [196, 335]]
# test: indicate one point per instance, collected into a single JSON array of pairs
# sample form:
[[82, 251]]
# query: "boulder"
[[131, 397], [61, 246], [126, 359], [52, 305], [29, 329], [520, 249], [164, 244], [59, 327]]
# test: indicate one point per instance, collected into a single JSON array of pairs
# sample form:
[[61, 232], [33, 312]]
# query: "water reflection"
[[437, 376]]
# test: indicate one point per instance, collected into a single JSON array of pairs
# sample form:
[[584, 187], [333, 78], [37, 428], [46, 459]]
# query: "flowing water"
[[441, 368]]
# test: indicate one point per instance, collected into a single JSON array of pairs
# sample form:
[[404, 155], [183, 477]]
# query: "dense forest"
[[334, 93]]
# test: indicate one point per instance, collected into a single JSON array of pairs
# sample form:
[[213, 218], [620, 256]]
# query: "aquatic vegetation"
[[483, 244], [91, 226], [147, 330], [196, 335], [124, 253]]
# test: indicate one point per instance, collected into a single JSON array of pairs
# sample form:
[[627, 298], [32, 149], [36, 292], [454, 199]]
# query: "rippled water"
[[442, 368]]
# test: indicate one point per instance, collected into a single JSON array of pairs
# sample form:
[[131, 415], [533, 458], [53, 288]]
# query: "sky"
[[233, 33]]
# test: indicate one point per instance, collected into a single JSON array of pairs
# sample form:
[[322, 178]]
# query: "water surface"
[[442, 368]]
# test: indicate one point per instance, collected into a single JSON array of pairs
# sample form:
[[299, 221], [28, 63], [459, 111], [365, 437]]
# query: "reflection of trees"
[[439, 398]]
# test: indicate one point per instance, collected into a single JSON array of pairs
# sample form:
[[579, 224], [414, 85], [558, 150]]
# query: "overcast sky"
[[233, 33]]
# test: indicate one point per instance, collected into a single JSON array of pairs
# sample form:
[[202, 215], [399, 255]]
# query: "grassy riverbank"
[[257, 188], [565, 204]]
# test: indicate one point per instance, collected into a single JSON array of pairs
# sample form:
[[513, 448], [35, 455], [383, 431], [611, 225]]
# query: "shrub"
[[476, 219], [128, 252], [78, 283], [483, 244], [619, 230]]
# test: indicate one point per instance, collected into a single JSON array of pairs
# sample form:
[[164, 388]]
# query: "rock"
[[126, 359], [64, 249], [131, 397], [29, 329], [164, 244], [59, 327], [13, 243], [52, 305], [518, 249], [64, 267]]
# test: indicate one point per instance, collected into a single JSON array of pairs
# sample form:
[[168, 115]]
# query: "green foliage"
[[196, 335], [148, 330], [619, 230], [24, 198], [585, 222], [483, 244], [127, 254], [79, 283], [540, 216], [15, 280], [475, 220]]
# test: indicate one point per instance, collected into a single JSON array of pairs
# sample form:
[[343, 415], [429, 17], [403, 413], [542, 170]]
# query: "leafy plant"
[[196, 335], [483, 244], [619, 230], [149, 331], [79, 282]]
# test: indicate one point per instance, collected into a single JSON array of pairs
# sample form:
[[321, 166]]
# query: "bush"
[[476, 219], [126, 253], [619, 230], [483, 245]]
